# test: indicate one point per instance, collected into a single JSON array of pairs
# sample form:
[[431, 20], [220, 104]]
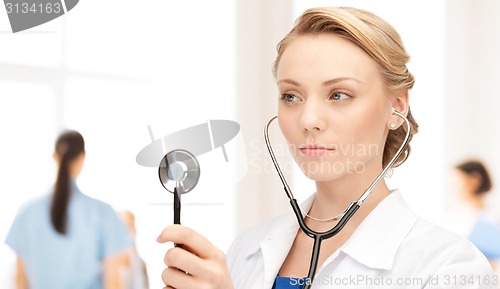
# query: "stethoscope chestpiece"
[[179, 169], [179, 172]]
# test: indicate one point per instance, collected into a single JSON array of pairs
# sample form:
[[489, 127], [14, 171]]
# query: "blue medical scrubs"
[[288, 283], [486, 236], [74, 260]]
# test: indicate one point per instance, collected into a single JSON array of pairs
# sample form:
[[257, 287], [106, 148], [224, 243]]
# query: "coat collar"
[[374, 243], [276, 245], [284, 228], [377, 239]]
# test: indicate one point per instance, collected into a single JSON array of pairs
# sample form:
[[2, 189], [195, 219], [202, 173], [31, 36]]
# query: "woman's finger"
[[194, 241], [205, 263], [184, 260], [175, 278]]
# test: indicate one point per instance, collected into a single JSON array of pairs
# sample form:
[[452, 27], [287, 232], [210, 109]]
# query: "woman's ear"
[[399, 102], [77, 165]]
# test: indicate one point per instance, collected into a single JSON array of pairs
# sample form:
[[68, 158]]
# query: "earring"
[[393, 125]]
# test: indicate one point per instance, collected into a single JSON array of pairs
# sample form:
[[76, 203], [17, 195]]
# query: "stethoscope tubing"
[[349, 211]]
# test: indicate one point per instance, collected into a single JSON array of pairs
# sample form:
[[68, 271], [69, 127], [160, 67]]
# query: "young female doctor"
[[340, 74]]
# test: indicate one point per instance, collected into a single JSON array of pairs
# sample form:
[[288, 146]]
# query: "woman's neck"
[[475, 203], [333, 197]]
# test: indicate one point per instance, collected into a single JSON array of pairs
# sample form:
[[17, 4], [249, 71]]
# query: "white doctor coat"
[[391, 248]]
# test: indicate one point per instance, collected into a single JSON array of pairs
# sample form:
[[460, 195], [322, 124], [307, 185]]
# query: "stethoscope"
[[346, 215]]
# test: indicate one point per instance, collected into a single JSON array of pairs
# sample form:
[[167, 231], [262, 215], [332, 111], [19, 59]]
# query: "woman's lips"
[[315, 151]]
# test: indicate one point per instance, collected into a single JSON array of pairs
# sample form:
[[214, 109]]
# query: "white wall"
[[472, 126], [261, 24]]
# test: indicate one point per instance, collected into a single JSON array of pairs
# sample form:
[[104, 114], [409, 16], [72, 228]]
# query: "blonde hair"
[[379, 40]]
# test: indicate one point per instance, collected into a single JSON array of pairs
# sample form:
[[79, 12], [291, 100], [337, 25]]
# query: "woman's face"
[[465, 184], [334, 107]]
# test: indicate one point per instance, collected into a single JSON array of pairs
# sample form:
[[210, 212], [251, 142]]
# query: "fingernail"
[[158, 239]]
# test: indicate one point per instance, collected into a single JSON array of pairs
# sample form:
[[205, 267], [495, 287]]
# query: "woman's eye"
[[289, 97], [339, 96]]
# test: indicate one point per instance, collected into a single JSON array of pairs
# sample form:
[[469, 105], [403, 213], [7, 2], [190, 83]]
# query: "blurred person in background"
[[473, 185], [66, 239], [134, 272]]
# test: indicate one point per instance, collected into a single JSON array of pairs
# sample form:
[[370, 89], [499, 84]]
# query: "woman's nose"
[[312, 116]]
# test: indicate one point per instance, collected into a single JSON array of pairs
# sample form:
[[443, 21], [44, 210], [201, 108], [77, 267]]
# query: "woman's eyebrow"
[[293, 82], [340, 79], [326, 83]]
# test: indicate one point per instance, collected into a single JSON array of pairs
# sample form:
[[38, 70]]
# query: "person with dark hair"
[[474, 185], [478, 181], [66, 239]]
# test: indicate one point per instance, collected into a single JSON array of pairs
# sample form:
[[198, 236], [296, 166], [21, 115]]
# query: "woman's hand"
[[196, 264]]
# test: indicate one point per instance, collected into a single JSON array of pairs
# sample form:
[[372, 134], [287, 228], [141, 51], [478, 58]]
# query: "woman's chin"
[[321, 176]]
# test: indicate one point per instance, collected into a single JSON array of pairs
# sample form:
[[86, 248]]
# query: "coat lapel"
[[274, 252]]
